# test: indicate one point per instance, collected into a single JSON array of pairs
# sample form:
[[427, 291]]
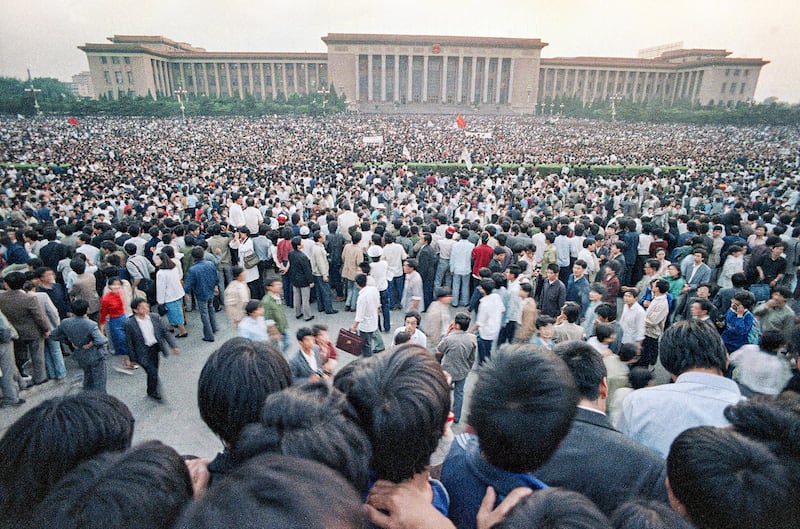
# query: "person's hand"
[[404, 507], [489, 518], [198, 471], [176, 351], [311, 285], [313, 377], [89, 344], [324, 279], [354, 327]]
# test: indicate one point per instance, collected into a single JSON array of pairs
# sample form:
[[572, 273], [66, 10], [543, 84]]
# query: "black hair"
[[604, 331], [274, 491], [628, 351], [746, 298], [586, 365], [607, 311], [312, 421], [647, 514], [51, 439], [725, 480], [235, 381], [90, 496], [80, 307], [15, 280], [487, 285], [303, 332], [462, 320], [572, 311], [640, 377], [691, 344], [403, 400], [555, 508], [520, 424], [360, 280]]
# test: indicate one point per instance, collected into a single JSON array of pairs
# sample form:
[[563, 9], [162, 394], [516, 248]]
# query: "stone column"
[[425, 78], [396, 95], [511, 81], [383, 77], [369, 77], [472, 80], [410, 79], [460, 80], [497, 84], [443, 99], [485, 80]]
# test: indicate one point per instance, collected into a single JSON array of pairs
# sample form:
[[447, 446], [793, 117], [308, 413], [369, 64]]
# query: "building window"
[[736, 72], [127, 60], [118, 77], [107, 76], [130, 77], [103, 60], [741, 89], [746, 73], [115, 60], [733, 88], [727, 72], [724, 86]]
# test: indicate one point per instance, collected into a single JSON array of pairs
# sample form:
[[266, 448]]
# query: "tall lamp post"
[[324, 91], [33, 91], [181, 92], [614, 100]]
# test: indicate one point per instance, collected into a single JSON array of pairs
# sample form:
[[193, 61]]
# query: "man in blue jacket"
[[202, 282]]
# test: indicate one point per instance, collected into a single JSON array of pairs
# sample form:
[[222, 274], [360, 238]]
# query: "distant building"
[[389, 73], [81, 85]]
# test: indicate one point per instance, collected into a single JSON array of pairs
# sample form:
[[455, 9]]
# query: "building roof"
[[167, 48], [429, 40], [704, 58]]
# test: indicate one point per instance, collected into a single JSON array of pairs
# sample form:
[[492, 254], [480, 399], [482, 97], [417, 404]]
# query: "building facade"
[[81, 85], [420, 73]]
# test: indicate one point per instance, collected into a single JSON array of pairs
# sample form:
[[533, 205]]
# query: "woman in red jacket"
[[112, 315]]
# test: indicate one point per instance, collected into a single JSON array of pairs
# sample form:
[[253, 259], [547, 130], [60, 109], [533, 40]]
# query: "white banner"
[[484, 135], [372, 140]]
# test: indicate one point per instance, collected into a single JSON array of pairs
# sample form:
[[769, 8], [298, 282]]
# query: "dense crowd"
[[633, 337]]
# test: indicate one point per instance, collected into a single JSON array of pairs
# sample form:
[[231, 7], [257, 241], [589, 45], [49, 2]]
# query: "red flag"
[[460, 121], [72, 121]]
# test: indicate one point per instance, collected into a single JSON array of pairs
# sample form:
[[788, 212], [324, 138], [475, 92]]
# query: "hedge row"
[[35, 165], [594, 170]]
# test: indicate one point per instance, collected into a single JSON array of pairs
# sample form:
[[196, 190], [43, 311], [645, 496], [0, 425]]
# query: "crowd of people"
[[633, 337]]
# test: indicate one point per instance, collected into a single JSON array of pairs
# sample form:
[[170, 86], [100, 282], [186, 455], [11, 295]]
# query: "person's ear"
[[674, 502]]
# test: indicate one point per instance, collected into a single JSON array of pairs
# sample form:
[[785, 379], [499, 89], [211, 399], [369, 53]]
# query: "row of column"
[[165, 84], [424, 92], [681, 82]]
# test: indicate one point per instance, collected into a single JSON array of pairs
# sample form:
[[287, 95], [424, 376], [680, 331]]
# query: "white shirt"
[[418, 337], [148, 332], [252, 218], [367, 306], [632, 323], [378, 270], [394, 254], [236, 215], [490, 316]]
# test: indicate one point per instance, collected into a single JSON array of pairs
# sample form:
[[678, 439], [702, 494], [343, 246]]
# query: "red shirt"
[[111, 306], [481, 256], [284, 247]]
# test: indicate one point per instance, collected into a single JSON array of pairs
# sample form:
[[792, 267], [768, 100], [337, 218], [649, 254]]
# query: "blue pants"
[[53, 359], [458, 398], [460, 290], [484, 350], [396, 289], [94, 376], [352, 295], [116, 331], [443, 276], [324, 301], [385, 306], [207, 317]]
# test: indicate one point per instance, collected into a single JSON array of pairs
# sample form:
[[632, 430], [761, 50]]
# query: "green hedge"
[[596, 170], [35, 165]]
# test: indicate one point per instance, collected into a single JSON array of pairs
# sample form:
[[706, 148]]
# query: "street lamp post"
[[614, 100], [552, 105], [181, 92], [33, 91], [324, 93], [543, 105], [561, 109]]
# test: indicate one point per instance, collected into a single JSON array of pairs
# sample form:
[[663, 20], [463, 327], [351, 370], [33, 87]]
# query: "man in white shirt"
[[489, 319], [394, 254], [367, 306], [235, 213], [346, 220], [654, 320], [252, 216], [633, 317]]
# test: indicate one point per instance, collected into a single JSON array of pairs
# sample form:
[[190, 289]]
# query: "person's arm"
[[97, 337]]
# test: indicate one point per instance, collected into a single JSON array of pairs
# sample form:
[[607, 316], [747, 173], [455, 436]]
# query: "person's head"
[[526, 290], [403, 400], [629, 297], [572, 311], [443, 295], [704, 290], [253, 308], [647, 514], [660, 287], [544, 326], [305, 338], [15, 280], [275, 491], [720, 479], [520, 424], [275, 286], [360, 280], [692, 344], [51, 439], [700, 308], [597, 291], [735, 250], [89, 496], [409, 265], [487, 286], [462, 320], [606, 312], [587, 368], [780, 295], [412, 320], [579, 268], [234, 383], [739, 280], [699, 255], [743, 299], [605, 333], [552, 272], [313, 421], [555, 508], [650, 267], [80, 307]]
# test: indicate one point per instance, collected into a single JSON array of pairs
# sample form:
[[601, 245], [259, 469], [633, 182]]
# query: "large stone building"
[[419, 73]]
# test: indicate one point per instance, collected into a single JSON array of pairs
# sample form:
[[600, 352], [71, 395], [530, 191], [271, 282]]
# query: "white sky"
[[43, 35]]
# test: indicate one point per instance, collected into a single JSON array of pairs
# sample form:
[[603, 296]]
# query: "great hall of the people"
[[420, 73]]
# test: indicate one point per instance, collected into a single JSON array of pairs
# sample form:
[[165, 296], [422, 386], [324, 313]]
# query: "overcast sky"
[[43, 35]]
